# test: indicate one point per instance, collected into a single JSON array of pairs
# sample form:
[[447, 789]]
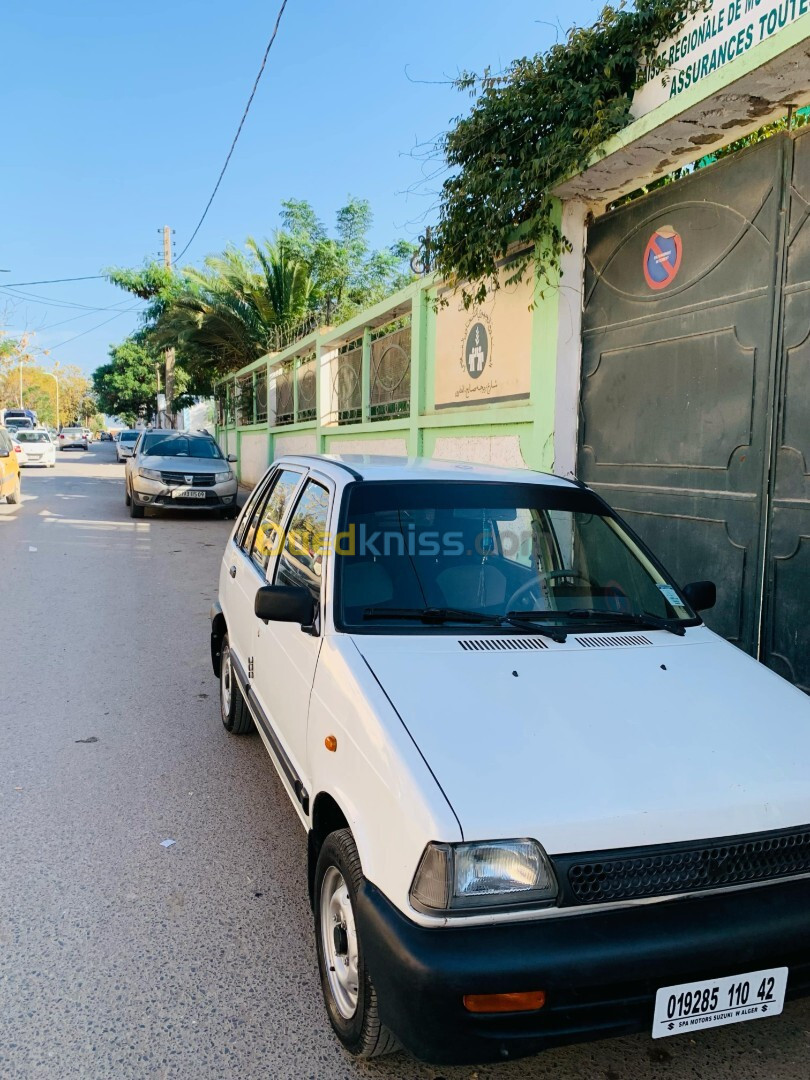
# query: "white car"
[[73, 436], [38, 447], [124, 444], [543, 801]]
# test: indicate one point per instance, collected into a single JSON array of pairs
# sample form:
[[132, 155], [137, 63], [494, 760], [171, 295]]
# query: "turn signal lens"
[[528, 1001], [330, 742]]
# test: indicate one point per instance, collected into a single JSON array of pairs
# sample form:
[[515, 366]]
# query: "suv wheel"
[[135, 510], [350, 997], [235, 714], [127, 498]]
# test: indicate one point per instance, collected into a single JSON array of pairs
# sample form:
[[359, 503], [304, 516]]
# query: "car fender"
[[375, 774]]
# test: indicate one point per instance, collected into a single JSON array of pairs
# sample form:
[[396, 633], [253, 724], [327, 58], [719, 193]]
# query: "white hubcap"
[[339, 936], [225, 683]]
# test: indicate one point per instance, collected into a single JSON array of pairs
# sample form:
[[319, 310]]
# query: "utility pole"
[[169, 354]]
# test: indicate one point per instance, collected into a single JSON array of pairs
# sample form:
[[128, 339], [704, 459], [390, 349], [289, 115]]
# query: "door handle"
[[232, 571]]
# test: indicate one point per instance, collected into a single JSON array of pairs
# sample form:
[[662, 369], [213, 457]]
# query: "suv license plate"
[[187, 493], [714, 1002]]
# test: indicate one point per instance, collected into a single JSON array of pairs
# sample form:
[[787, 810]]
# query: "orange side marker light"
[[526, 1001], [330, 742]]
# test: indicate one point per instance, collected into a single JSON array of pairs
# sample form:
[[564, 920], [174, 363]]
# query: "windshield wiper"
[[438, 616], [646, 620]]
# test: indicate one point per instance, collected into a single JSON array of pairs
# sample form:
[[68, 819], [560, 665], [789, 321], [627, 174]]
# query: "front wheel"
[[350, 997], [135, 510], [15, 496], [127, 499]]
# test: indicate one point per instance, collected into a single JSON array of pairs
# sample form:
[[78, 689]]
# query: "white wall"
[[296, 444], [254, 457], [501, 450], [395, 446]]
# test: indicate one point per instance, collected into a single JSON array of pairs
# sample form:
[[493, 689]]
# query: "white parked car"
[[124, 444], [543, 801], [38, 446]]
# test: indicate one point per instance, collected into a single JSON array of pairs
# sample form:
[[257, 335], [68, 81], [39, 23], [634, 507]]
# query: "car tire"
[[135, 511], [15, 496], [352, 1009], [127, 497], [235, 714], [228, 513]]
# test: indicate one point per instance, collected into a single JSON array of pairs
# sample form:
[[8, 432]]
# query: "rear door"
[[249, 554]]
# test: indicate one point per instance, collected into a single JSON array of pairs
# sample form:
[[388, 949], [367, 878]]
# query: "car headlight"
[[223, 477], [498, 873], [150, 474]]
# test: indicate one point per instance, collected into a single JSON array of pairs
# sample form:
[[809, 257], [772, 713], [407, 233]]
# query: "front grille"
[[607, 876], [177, 479]]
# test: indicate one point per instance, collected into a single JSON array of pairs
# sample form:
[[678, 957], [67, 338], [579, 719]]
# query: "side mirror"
[[700, 595], [232, 458], [285, 603]]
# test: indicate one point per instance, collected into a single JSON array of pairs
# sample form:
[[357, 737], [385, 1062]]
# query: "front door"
[[286, 655]]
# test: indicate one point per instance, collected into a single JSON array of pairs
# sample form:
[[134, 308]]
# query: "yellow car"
[[9, 469]]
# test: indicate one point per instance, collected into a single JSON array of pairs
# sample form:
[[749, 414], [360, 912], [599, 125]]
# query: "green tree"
[[247, 302], [127, 385]]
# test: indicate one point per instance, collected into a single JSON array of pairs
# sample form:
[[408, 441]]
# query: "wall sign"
[[708, 40], [662, 257], [484, 354]]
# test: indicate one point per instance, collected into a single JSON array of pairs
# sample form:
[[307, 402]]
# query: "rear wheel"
[[235, 714], [350, 997]]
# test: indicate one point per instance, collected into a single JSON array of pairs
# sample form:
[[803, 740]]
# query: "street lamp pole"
[[57, 395]]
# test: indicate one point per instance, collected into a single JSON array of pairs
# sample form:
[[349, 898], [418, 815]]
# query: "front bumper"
[[599, 969], [155, 493]]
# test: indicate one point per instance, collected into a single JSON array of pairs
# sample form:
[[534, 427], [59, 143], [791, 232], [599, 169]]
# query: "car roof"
[[384, 467]]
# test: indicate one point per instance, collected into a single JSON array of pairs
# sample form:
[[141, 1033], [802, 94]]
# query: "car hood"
[[184, 464], [588, 746]]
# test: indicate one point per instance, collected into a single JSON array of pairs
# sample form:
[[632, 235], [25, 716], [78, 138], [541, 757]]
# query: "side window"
[[301, 561], [247, 526], [268, 527]]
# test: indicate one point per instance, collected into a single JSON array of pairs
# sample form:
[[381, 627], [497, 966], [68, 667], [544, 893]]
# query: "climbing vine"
[[529, 128]]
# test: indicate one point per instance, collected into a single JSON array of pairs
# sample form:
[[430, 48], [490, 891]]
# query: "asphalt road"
[[120, 958]]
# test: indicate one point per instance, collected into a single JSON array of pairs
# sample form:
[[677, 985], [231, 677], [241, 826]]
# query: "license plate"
[[715, 1002], [187, 493]]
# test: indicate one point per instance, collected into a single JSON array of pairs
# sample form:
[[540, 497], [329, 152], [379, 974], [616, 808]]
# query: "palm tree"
[[236, 308]]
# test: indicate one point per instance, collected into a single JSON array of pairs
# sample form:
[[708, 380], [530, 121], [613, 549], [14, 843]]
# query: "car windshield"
[[32, 436], [440, 552], [129, 436], [184, 446]]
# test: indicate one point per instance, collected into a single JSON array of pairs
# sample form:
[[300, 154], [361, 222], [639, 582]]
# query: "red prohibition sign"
[[662, 257]]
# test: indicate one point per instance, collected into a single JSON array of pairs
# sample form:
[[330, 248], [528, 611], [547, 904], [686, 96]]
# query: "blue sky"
[[117, 118]]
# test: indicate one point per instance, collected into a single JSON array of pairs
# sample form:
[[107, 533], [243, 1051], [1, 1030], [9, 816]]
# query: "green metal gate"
[[695, 401]]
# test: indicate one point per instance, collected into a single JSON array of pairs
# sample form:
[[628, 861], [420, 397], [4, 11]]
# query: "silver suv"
[[179, 469]]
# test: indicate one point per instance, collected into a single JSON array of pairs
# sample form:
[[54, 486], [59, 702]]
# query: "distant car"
[[37, 446], [73, 436], [182, 470], [9, 469], [105, 436], [125, 444]]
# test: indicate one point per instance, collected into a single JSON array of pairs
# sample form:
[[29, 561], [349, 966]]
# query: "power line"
[[50, 281], [92, 328], [238, 130]]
